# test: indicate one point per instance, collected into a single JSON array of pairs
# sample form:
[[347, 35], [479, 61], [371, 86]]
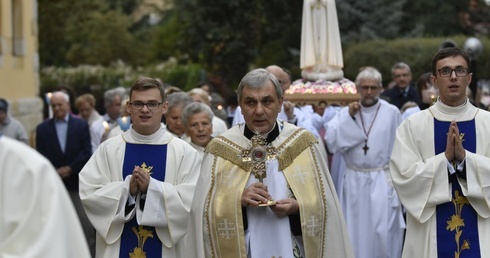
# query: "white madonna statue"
[[321, 49]]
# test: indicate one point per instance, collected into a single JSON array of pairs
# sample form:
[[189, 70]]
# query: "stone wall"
[[29, 111]]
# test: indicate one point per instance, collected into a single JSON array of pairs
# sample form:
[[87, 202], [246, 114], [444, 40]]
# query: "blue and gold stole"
[[457, 221], [140, 240]]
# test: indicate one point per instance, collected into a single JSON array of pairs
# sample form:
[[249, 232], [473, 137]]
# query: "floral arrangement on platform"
[[301, 86], [322, 92]]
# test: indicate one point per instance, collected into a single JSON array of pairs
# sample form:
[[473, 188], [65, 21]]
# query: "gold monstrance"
[[257, 154]]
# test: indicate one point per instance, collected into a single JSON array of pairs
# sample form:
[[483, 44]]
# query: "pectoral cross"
[[365, 148]]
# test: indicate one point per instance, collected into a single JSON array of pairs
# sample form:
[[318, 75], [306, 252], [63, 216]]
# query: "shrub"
[[416, 52], [97, 79]]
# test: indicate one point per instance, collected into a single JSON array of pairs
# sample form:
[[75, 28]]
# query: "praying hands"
[[454, 146], [140, 180]]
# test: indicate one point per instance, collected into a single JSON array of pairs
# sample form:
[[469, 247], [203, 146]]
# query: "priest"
[[37, 217], [138, 186], [264, 189], [363, 132], [441, 168]]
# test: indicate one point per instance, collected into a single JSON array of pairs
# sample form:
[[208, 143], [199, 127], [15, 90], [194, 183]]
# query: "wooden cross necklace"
[[366, 148]]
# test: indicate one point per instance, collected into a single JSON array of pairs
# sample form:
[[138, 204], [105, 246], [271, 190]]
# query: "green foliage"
[[87, 32], [97, 79], [165, 39], [443, 18], [228, 36], [416, 52], [221, 35], [126, 6], [362, 20], [58, 23], [102, 38]]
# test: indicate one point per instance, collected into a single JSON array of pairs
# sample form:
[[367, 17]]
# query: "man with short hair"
[[112, 103], [403, 90], [65, 141], [137, 187], [10, 126], [264, 189], [440, 168], [289, 112], [363, 132], [301, 117]]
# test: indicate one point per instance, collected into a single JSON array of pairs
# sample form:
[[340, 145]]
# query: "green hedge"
[[382, 54], [98, 79], [416, 52]]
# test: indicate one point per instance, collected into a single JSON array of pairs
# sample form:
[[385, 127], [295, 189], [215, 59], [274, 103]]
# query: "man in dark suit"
[[65, 141], [403, 91]]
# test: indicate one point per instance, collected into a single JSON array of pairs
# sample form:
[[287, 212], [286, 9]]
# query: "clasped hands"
[[140, 179], [454, 145], [257, 193], [64, 171]]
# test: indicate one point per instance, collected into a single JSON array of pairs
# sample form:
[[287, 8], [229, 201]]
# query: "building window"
[[18, 44]]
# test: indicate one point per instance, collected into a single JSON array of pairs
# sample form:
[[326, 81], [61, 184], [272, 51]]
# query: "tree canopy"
[[229, 37]]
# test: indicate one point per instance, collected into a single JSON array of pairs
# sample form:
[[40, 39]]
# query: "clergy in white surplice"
[[264, 188], [37, 217], [440, 167], [137, 187], [363, 132]]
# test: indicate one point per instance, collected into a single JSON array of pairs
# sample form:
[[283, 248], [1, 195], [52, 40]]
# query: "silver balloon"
[[473, 47]]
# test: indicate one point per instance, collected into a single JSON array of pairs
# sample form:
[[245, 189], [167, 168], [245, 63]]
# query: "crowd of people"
[[164, 173]]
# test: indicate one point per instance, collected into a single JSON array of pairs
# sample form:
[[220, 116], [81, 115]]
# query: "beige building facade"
[[19, 62]]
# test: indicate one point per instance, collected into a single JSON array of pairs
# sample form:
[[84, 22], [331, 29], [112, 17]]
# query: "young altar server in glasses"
[[137, 187]]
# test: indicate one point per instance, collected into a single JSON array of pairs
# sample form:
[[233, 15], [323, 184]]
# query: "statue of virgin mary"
[[321, 49]]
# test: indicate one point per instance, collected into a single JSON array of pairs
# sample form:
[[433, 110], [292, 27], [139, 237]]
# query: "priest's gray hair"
[[369, 73], [65, 95], [110, 95], [400, 65], [178, 99], [257, 79], [196, 108], [203, 95]]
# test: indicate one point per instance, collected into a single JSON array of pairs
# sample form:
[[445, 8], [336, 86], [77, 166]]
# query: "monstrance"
[[258, 154]]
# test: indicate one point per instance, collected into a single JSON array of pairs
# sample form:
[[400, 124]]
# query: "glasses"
[[447, 72], [138, 105]]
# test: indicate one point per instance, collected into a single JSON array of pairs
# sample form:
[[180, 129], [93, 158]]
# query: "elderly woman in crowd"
[[197, 120]]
